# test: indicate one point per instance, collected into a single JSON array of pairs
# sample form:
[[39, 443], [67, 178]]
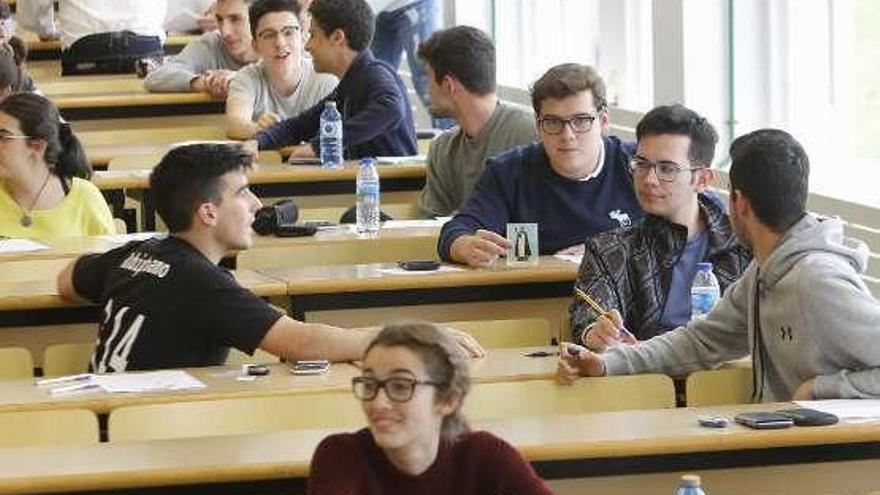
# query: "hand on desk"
[[213, 82], [480, 249], [576, 361], [302, 151], [805, 391], [605, 332], [267, 119]]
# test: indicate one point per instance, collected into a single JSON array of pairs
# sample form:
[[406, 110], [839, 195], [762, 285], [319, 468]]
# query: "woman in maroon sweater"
[[417, 442]]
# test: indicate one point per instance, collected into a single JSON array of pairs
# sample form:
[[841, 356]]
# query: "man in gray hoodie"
[[801, 309]]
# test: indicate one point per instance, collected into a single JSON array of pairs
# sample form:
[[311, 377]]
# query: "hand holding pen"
[[576, 361], [608, 328]]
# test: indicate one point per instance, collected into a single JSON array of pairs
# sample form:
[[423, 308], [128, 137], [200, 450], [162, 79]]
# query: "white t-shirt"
[[251, 84], [78, 18]]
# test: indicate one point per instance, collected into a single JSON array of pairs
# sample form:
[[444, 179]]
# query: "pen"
[[541, 354], [65, 379], [601, 312]]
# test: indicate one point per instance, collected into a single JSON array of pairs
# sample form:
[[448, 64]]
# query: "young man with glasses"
[[574, 182], [207, 64], [801, 308], [284, 83], [643, 273]]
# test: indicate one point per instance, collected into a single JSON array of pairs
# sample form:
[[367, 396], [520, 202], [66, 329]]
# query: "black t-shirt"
[[167, 306]]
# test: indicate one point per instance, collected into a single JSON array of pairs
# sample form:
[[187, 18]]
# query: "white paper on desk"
[[401, 271], [412, 224], [135, 236], [846, 409], [397, 160], [147, 382], [20, 246], [573, 258]]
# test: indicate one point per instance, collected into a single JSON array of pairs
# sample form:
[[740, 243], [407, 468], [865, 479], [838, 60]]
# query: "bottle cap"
[[690, 480], [329, 103], [368, 160], [704, 266]]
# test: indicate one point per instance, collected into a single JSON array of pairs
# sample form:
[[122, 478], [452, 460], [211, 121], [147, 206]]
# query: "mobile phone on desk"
[[764, 420], [303, 161], [809, 417], [419, 265], [293, 230], [311, 367]]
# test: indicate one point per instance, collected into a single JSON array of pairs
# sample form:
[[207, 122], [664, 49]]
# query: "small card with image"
[[523, 239]]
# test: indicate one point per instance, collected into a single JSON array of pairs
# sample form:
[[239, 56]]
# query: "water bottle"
[[705, 291], [331, 136], [367, 197], [690, 485]]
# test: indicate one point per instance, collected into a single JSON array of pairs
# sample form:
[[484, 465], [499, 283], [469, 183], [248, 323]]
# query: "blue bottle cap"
[[704, 266]]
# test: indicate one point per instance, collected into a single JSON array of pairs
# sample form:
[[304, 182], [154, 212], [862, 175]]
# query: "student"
[[99, 36], [166, 302], [412, 388], [801, 309], [574, 182], [283, 84], [644, 272], [461, 76], [207, 64], [376, 115], [15, 48], [41, 195]]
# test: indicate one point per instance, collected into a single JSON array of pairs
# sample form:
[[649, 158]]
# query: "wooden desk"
[[104, 146], [609, 453], [312, 186], [51, 50], [355, 295], [498, 365]]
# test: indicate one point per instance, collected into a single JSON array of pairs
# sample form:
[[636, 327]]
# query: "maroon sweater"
[[478, 463]]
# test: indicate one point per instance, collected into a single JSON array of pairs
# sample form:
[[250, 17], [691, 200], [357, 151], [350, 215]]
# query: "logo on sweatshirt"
[[621, 217], [785, 333]]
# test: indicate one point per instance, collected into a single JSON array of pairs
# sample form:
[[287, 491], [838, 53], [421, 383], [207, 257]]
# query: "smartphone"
[[313, 367], [419, 265], [713, 421], [292, 230], [254, 369], [809, 417], [764, 420], [303, 161]]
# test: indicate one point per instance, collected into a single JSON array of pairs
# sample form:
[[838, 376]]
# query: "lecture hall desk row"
[[51, 49], [609, 453]]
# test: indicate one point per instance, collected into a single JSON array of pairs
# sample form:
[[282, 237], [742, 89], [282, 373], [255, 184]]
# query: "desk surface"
[[286, 454], [362, 278], [104, 146], [498, 365], [41, 292]]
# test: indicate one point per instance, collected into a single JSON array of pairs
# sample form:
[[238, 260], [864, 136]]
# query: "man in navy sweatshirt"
[[574, 182], [376, 116]]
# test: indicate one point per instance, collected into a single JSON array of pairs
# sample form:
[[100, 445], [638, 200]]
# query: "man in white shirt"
[[99, 36]]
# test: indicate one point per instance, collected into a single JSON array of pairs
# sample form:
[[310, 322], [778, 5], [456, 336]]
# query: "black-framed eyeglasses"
[[666, 171], [580, 123], [397, 388], [287, 32]]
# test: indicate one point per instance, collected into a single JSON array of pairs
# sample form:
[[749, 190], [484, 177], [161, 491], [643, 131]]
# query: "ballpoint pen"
[[622, 331]]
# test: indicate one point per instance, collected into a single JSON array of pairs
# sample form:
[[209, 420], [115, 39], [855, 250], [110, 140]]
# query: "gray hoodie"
[[207, 52], [818, 321]]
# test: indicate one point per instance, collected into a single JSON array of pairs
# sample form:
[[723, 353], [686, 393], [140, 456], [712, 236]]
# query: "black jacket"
[[630, 269]]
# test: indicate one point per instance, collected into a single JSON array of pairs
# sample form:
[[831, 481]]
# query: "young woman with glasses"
[[41, 162], [417, 441]]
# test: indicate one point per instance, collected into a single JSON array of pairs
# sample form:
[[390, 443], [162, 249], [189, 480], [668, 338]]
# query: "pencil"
[[599, 310]]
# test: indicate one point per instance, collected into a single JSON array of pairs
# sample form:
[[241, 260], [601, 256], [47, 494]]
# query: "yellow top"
[[82, 212]]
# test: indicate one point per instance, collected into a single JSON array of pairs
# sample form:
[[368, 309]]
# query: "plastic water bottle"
[[331, 136], [690, 485], [368, 197], [705, 291]]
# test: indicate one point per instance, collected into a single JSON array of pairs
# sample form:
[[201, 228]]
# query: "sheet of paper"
[[573, 258], [411, 224], [136, 236], [147, 382], [20, 246], [396, 160], [846, 409], [401, 271]]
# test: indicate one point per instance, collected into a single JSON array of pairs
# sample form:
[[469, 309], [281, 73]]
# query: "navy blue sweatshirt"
[[376, 116], [520, 186]]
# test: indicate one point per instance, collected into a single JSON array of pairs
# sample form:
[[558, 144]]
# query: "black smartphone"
[[809, 417], [419, 265], [303, 161], [764, 420], [292, 230], [311, 367]]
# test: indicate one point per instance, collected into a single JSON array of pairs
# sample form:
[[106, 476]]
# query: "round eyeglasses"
[[579, 124], [666, 171], [397, 388]]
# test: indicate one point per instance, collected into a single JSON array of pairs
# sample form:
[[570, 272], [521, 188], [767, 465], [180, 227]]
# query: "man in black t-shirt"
[[166, 302]]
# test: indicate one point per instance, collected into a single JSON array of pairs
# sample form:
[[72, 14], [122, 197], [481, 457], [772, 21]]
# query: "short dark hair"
[[259, 8], [682, 121], [465, 53], [565, 80], [190, 175], [772, 170], [38, 118], [354, 17], [10, 72]]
